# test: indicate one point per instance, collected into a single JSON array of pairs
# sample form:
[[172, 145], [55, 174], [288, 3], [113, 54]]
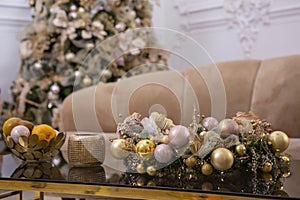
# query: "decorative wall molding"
[[247, 17], [187, 7], [14, 3], [14, 14]]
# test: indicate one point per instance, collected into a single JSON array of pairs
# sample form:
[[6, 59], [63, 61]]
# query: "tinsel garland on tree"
[[61, 35]]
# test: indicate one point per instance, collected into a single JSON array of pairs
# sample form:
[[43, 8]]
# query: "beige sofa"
[[270, 88]]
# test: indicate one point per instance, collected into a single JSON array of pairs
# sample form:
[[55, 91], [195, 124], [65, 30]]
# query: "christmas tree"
[[61, 35]]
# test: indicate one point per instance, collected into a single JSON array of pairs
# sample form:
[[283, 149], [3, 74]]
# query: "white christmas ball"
[[38, 66], [70, 56], [106, 74], [19, 131], [78, 74], [73, 7], [179, 136], [209, 123], [120, 26], [227, 127], [55, 89], [116, 149], [163, 153]]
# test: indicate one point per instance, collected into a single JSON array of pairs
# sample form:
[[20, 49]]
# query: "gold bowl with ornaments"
[[32, 143]]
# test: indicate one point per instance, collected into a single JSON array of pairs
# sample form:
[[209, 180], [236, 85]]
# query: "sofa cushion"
[[276, 94], [268, 88]]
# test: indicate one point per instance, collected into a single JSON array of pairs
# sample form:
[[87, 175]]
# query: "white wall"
[[208, 22], [14, 14]]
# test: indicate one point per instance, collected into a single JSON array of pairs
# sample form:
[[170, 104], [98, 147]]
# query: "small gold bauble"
[[151, 170], [140, 168], [222, 159], [267, 167], [140, 182], [267, 177], [151, 183], [206, 169], [285, 172], [165, 139], [285, 160], [279, 140], [191, 161], [240, 149]]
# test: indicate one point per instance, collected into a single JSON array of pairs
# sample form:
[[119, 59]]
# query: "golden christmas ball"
[[145, 146], [279, 140], [145, 149], [165, 139], [191, 161], [140, 181], [222, 159], [140, 168], [206, 169], [267, 167], [285, 172], [12, 122], [151, 183], [151, 170], [285, 160], [267, 177], [240, 149]]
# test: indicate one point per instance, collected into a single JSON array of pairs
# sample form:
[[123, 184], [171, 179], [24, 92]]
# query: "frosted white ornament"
[[179, 136], [116, 149], [106, 74], [19, 131], [227, 127], [209, 123], [163, 153]]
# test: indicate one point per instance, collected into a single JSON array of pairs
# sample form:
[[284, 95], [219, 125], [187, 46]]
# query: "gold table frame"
[[41, 187]]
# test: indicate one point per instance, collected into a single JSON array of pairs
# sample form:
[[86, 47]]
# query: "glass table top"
[[240, 182]]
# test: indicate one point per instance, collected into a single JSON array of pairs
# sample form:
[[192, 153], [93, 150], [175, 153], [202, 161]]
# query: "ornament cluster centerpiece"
[[157, 147], [32, 143]]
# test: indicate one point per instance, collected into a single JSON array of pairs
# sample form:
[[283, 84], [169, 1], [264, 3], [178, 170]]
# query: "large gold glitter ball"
[[145, 149], [222, 159], [279, 140]]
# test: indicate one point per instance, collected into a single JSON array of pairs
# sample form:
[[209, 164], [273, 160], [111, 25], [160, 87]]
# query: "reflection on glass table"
[[237, 183]]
